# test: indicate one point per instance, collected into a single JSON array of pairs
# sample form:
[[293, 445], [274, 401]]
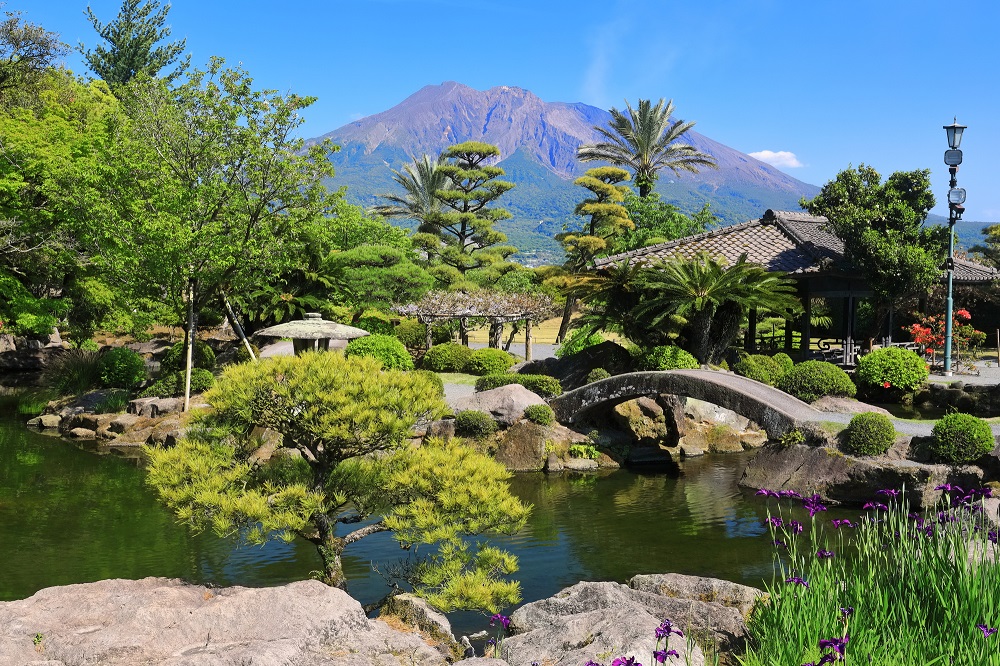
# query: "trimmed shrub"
[[241, 355], [667, 357], [413, 334], [488, 362], [173, 385], [961, 438], [89, 345], [449, 357], [577, 341], [760, 368], [597, 374], [785, 361], [811, 380], [122, 368], [471, 423], [543, 385], [870, 434], [375, 322], [386, 348], [433, 378], [201, 357], [540, 414], [892, 367]]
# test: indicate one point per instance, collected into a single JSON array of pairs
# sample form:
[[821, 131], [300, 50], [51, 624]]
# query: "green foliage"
[[811, 380], [34, 402], [608, 218], [175, 359], [785, 361], [667, 357], [597, 374], [892, 367], [542, 385], [584, 451], [657, 221], [27, 52], [488, 361], [577, 341], [132, 37], [449, 357], [241, 355], [870, 434], [378, 276], [23, 314], [114, 402], [540, 414], [89, 345], [762, 368], [434, 379], [472, 423], [646, 141], [961, 439], [122, 368], [793, 437], [386, 348], [374, 321], [73, 371], [172, 385], [420, 181], [413, 334]]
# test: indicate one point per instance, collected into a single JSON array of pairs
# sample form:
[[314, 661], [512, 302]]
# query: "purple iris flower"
[[766, 493], [843, 522], [779, 542], [824, 554], [796, 526], [502, 619], [838, 645], [797, 580], [789, 493], [888, 492], [625, 661], [847, 611], [948, 488], [992, 536], [987, 631], [661, 655], [775, 521], [591, 662], [666, 628], [875, 505]]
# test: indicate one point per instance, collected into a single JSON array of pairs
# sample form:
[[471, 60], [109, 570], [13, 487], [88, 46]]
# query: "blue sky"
[[829, 83]]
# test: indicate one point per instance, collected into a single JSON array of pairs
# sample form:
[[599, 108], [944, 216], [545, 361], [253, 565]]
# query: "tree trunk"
[[429, 339], [527, 340], [189, 346], [564, 324], [331, 547], [514, 330], [496, 334], [236, 327], [463, 330], [700, 325]]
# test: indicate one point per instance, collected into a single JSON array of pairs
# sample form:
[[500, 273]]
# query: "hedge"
[[543, 385]]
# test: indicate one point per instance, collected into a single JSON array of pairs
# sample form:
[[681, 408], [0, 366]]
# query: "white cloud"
[[781, 158]]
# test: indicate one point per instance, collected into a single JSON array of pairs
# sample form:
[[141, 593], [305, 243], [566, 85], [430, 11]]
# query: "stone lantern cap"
[[313, 327]]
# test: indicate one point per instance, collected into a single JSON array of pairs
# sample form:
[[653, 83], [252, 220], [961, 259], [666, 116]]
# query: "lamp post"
[[956, 197]]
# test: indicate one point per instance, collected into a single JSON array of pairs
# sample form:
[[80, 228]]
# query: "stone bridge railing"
[[774, 410]]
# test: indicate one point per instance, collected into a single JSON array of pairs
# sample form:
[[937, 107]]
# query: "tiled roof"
[[791, 241]]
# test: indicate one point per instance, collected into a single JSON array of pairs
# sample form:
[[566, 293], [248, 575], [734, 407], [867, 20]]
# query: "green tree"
[[882, 227], [656, 221], [645, 141], [712, 298], [134, 48], [206, 189], [379, 276], [420, 181], [461, 237], [27, 52], [343, 457]]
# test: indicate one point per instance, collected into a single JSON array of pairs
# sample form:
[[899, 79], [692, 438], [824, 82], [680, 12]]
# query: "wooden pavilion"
[[800, 245]]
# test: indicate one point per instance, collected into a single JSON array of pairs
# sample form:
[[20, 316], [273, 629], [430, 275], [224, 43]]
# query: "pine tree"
[[132, 39]]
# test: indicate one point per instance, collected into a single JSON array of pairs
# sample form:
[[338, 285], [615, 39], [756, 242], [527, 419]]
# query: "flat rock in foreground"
[[165, 621]]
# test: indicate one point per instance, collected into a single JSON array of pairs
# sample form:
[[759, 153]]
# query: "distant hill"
[[538, 141]]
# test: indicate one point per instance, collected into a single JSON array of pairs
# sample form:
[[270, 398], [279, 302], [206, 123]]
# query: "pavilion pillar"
[[806, 325], [750, 339], [789, 337], [527, 340]]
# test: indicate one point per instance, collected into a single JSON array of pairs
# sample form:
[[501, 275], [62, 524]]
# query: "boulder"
[[707, 426], [553, 463], [416, 612], [82, 433], [715, 590], [580, 465], [167, 431], [505, 404], [7, 343], [443, 428], [836, 405], [49, 420], [138, 406], [524, 446], [837, 477], [572, 371], [123, 423], [82, 420], [700, 411], [163, 621]]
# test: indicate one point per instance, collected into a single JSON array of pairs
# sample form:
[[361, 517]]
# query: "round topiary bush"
[[870, 434], [540, 414], [241, 355], [433, 378], [961, 438], [449, 357], [785, 361], [385, 348], [577, 341], [202, 357], [542, 385], [761, 368], [667, 357], [173, 384], [488, 362], [471, 423], [811, 380], [413, 334], [597, 374], [375, 322], [122, 368], [892, 368]]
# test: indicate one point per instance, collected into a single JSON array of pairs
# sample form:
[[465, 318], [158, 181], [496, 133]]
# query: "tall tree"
[[134, 47], [27, 51], [656, 221], [882, 227], [645, 141], [461, 236], [206, 188], [420, 181]]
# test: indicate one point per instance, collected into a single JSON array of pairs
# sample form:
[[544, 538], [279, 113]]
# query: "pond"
[[70, 516]]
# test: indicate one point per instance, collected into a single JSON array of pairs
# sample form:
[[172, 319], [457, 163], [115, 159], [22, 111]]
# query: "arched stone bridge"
[[775, 411]]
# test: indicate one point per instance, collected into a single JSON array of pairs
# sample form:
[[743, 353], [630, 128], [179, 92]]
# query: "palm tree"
[[713, 298], [645, 141], [420, 180]]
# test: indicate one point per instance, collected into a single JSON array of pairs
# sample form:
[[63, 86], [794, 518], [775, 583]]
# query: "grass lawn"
[[458, 378]]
